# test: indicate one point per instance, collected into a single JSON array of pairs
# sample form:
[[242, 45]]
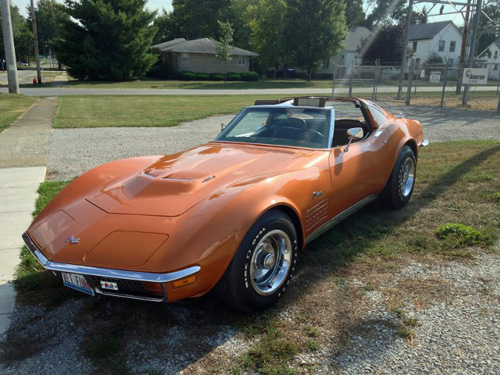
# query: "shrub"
[[249, 76], [202, 76], [164, 71], [216, 77], [233, 77], [187, 76], [461, 235]]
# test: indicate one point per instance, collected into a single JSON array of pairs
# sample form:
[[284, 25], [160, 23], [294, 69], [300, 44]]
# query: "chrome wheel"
[[407, 177], [271, 262]]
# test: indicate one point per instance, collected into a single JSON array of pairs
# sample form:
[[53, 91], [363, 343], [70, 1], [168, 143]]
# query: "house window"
[[450, 62], [496, 54], [496, 67], [186, 58], [441, 46], [453, 44], [414, 46], [242, 61], [417, 61], [326, 64]]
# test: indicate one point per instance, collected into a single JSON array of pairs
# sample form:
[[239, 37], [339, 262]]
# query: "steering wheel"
[[307, 136]]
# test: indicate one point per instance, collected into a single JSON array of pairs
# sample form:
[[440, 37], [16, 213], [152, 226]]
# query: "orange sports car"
[[231, 214]]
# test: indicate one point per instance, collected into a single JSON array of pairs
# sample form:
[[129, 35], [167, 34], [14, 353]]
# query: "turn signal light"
[[183, 282]]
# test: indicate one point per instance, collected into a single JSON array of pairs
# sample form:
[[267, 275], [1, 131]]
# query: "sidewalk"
[[23, 154]]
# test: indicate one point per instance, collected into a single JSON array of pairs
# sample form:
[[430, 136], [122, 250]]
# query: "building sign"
[[435, 77], [476, 76]]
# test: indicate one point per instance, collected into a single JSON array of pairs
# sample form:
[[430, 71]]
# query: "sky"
[[167, 4]]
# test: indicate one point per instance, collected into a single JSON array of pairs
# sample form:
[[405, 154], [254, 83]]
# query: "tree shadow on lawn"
[[118, 335]]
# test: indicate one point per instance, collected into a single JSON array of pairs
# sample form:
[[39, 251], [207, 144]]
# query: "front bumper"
[[133, 281]]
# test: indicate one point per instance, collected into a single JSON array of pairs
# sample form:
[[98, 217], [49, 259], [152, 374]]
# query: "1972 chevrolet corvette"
[[233, 213]]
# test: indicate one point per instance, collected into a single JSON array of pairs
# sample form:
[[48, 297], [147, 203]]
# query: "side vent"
[[316, 215]]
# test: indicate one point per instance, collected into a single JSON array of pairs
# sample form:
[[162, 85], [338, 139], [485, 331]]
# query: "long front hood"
[[176, 183]]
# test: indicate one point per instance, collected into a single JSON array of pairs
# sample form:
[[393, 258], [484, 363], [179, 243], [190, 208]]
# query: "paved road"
[[23, 76]]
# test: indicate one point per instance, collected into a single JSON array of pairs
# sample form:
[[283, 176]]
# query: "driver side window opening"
[[348, 116]]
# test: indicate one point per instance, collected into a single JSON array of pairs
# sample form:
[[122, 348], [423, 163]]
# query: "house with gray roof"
[[350, 53], [490, 58], [199, 56], [442, 39]]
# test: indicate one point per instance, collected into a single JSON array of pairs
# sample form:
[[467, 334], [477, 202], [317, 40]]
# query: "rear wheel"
[[263, 265], [400, 186]]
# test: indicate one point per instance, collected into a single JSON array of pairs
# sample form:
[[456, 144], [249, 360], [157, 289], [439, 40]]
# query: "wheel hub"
[[270, 262]]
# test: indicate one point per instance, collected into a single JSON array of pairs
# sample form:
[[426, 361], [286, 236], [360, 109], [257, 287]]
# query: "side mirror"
[[354, 134], [222, 127]]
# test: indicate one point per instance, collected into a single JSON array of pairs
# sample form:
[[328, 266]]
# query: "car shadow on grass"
[[116, 336]]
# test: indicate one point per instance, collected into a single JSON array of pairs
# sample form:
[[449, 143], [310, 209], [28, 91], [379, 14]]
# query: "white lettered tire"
[[263, 265]]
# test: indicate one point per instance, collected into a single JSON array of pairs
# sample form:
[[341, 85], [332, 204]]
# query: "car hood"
[[175, 183]]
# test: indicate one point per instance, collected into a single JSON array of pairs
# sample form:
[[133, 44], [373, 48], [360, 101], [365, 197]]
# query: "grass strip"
[[145, 111], [12, 106]]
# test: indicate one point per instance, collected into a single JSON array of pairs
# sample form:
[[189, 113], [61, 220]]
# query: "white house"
[[442, 39], [349, 53], [490, 57]]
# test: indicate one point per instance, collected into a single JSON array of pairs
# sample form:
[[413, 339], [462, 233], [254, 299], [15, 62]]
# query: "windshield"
[[301, 127]]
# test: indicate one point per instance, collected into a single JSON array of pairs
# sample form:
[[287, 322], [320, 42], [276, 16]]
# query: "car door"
[[361, 170]]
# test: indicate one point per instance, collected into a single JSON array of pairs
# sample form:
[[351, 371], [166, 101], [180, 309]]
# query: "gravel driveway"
[[458, 332]]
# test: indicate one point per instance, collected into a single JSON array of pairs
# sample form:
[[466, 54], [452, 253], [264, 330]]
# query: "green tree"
[[237, 14], [23, 37], [223, 46], [164, 25], [354, 13], [490, 24], [106, 39], [316, 30], [193, 19], [387, 45], [50, 16], [268, 21]]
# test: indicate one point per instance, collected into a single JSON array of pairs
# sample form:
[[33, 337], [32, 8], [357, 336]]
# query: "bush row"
[[166, 72]]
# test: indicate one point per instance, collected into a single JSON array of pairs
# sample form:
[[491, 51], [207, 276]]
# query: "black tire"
[[399, 188], [254, 279]]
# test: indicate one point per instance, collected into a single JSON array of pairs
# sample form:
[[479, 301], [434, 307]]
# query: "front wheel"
[[263, 265], [400, 186]]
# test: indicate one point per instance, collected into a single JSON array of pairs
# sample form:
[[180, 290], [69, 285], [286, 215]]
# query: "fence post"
[[351, 81], [333, 77], [375, 78], [410, 81], [444, 84]]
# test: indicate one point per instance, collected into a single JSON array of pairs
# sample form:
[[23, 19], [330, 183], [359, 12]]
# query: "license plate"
[[77, 282]]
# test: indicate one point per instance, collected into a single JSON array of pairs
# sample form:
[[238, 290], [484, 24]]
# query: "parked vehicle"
[[232, 214]]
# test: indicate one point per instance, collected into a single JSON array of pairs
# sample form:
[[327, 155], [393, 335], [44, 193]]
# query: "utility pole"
[[35, 33], [463, 49], [475, 40], [10, 52]]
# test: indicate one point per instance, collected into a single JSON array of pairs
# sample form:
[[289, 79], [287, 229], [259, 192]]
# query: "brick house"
[[199, 56]]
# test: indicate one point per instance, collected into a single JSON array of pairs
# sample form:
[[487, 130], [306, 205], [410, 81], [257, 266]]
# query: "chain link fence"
[[429, 85]]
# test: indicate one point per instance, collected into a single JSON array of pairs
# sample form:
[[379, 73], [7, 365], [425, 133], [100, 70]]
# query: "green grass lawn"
[[12, 106], [137, 111], [146, 83]]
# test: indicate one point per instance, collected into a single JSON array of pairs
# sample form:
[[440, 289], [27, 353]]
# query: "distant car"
[[231, 214], [23, 63]]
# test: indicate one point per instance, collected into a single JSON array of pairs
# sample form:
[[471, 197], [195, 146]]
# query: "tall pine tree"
[[106, 39]]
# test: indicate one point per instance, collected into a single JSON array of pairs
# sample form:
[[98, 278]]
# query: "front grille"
[[125, 287]]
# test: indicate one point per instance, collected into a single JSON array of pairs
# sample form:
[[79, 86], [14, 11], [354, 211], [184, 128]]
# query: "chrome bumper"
[[109, 273]]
